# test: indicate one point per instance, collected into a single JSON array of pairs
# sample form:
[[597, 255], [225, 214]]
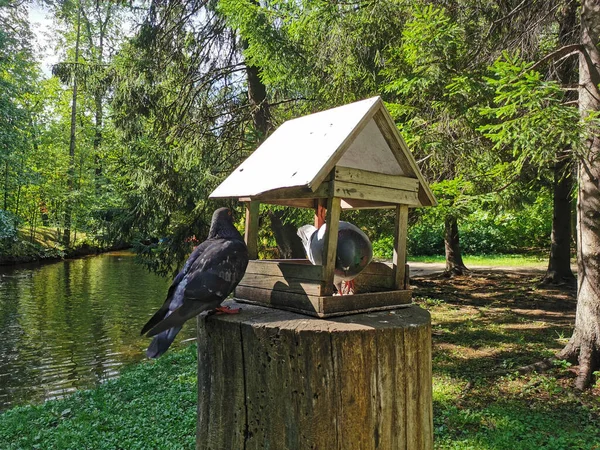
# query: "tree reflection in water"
[[73, 324]]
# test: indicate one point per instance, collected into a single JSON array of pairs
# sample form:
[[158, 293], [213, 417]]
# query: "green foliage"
[[151, 405], [528, 114], [8, 226]]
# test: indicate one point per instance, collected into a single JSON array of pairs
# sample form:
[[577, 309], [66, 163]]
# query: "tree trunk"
[[559, 262], [584, 345], [270, 379], [257, 95], [454, 262], [559, 265], [71, 174]]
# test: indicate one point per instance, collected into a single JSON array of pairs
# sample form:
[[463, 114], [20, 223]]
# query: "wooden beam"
[[353, 203], [330, 247], [359, 176], [251, 230], [399, 257], [346, 190], [283, 195]]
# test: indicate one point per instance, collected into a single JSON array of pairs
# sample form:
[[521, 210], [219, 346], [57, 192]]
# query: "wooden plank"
[[359, 176], [363, 302], [286, 269], [399, 256], [329, 306], [297, 152], [251, 230], [278, 299], [293, 202], [287, 284], [345, 190], [353, 203], [330, 245]]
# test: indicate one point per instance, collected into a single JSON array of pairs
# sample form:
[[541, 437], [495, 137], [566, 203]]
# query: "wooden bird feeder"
[[350, 157]]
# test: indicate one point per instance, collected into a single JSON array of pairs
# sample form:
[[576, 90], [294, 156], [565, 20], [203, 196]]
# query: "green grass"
[[151, 405], [490, 260]]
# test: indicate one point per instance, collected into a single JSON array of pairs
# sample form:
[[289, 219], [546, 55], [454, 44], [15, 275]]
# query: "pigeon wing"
[[164, 309], [209, 281]]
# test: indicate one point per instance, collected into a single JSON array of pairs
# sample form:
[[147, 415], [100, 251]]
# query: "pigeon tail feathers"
[[161, 342]]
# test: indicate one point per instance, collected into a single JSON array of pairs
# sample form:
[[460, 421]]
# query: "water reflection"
[[73, 324]]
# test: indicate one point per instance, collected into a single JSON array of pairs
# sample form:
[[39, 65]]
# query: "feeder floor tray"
[[324, 306]]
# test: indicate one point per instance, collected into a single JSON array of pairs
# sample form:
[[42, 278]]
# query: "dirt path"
[[422, 269]]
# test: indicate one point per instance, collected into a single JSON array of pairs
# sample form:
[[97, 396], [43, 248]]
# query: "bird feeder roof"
[[353, 151]]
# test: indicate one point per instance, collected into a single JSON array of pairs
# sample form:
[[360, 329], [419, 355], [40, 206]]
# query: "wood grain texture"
[[285, 284], [376, 179], [346, 190], [295, 268], [403, 155], [272, 379], [399, 255]]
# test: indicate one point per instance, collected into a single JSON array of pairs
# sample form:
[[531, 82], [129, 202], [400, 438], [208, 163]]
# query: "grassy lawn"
[[485, 326], [491, 260]]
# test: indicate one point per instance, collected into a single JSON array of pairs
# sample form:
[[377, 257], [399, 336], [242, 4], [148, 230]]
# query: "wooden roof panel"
[[296, 152]]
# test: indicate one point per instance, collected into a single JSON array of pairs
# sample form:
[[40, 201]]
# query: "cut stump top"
[[410, 316]]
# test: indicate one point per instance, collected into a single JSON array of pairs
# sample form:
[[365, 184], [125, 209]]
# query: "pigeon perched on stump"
[[354, 252], [210, 274]]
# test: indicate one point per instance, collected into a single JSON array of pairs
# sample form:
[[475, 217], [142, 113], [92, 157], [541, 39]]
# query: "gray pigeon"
[[354, 251], [210, 274]]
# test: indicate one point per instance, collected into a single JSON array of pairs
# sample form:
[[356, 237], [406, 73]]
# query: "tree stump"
[[272, 379]]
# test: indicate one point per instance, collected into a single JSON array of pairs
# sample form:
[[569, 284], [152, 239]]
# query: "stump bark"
[[272, 379]]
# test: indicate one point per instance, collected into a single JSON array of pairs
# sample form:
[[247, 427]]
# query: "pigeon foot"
[[227, 310]]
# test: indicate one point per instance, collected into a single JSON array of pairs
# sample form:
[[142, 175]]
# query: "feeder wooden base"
[[296, 285]]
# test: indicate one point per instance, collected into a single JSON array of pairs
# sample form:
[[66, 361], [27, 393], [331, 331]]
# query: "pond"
[[73, 324]]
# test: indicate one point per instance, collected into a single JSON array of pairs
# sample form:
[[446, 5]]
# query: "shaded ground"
[[485, 326]]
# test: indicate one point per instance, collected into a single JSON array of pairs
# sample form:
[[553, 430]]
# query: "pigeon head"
[[221, 225]]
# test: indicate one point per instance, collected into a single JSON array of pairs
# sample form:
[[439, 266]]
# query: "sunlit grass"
[[490, 260], [50, 236]]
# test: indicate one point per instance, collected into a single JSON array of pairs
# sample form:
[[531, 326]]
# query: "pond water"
[[73, 324]]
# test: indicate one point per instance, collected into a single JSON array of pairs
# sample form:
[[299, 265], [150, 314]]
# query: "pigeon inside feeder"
[[353, 253]]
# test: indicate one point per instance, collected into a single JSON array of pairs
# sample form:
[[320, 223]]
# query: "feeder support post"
[[251, 230], [330, 247], [399, 257]]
